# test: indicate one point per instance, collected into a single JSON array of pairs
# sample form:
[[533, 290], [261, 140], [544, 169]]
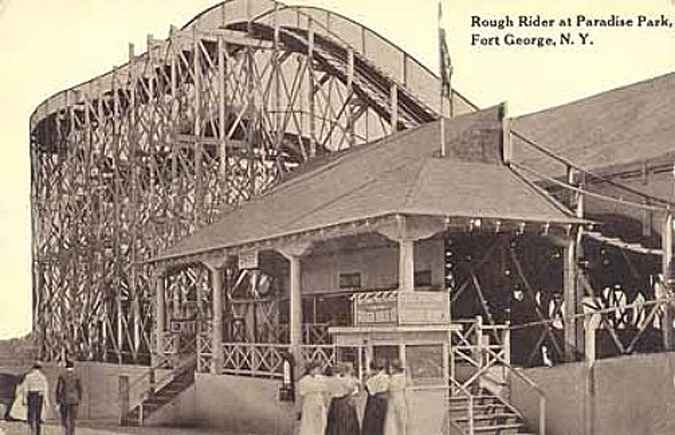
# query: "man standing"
[[68, 396], [36, 398]]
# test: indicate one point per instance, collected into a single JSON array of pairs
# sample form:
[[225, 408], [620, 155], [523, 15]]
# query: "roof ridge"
[[414, 187]]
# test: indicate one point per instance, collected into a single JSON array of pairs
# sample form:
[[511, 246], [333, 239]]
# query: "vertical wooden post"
[[310, 69], [406, 265], [350, 95], [573, 332], [217, 330], [135, 207], [479, 341], [160, 313], [570, 298], [580, 213], [197, 106], [123, 398], [446, 360], [359, 356], [667, 246], [222, 168], [295, 304], [277, 80]]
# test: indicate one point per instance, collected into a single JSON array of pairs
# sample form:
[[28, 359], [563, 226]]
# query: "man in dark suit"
[[68, 396]]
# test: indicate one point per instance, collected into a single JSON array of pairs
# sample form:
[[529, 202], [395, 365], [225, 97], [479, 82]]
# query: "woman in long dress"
[[342, 416], [396, 421], [376, 404], [313, 390]]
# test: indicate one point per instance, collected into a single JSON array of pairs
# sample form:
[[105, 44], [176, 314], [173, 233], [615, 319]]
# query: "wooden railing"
[[254, 359], [134, 394], [483, 348], [458, 390], [312, 333], [266, 359]]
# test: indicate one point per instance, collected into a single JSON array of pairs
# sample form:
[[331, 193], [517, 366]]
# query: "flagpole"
[[441, 81]]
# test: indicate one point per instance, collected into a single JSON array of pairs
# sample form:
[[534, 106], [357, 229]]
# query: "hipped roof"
[[401, 174], [624, 126]]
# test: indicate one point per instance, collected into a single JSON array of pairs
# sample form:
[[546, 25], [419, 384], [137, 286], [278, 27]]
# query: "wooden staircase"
[[481, 375], [161, 392], [484, 413]]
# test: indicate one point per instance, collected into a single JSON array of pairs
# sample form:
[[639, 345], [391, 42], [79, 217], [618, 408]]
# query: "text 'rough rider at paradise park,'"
[[542, 31]]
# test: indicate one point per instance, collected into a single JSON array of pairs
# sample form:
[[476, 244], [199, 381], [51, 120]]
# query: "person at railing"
[[396, 420], [342, 416], [377, 386], [313, 389]]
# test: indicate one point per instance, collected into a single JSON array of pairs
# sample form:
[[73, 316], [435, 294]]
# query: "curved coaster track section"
[[130, 162]]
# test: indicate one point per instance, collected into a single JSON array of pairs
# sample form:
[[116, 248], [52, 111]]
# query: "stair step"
[[475, 396], [465, 407], [497, 427], [482, 417]]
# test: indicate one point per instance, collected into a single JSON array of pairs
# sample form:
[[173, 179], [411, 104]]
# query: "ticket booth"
[[415, 328]]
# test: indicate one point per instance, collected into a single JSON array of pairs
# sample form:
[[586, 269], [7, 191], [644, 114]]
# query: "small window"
[[350, 280], [423, 278]]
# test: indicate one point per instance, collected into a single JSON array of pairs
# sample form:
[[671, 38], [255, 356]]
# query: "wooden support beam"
[[406, 265], [350, 96], [310, 70], [217, 330], [667, 247], [571, 299], [160, 311], [222, 168], [293, 252]]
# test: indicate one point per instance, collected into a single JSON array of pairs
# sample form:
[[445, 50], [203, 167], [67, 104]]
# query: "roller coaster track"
[[132, 161]]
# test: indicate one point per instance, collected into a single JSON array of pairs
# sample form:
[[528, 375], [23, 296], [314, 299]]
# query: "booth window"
[[423, 278], [350, 280], [425, 363]]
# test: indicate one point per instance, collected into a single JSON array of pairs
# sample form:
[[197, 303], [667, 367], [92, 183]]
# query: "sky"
[[50, 45]]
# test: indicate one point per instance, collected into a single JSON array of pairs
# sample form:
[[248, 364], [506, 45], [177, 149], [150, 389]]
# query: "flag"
[[444, 56]]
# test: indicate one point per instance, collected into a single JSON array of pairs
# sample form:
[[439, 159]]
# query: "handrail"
[[155, 384], [150, 371], [469, 396], [499, 357]]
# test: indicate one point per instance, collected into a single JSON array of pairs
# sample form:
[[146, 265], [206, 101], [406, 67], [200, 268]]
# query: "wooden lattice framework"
[[220, 111]]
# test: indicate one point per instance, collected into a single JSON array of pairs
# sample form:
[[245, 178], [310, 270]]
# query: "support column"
[[295, 302], [160, 312], [216, 267], [406, 265], [405, 230], [667, 246], [570, 298], [217, 329], [293, 252]]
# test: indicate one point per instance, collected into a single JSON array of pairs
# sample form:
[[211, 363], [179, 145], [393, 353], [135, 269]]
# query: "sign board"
[[423, 308], [376, 311], [248, 260]]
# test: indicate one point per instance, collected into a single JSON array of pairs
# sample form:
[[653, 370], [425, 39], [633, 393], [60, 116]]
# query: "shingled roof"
[[632, 124], [401, 174]]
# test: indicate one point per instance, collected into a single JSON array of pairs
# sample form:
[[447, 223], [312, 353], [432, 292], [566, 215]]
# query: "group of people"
[[32, 401], [329, 406]]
